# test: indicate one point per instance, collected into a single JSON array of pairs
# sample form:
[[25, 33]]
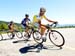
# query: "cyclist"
[[11, 26], [25, 22], [37, 21]]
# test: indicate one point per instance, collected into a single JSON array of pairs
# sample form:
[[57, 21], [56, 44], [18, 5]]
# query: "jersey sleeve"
[[34, 19], [45, 17], [22, 22], [29, 19]]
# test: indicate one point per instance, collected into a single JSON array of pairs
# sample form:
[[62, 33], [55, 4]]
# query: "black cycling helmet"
[[26, 15], [11, 22]]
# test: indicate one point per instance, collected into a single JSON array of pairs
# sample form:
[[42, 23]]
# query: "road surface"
[[20, 47]]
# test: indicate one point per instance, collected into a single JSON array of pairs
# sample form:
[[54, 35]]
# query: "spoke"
[[56, 38]]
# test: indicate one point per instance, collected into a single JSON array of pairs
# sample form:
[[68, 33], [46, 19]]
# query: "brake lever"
[[52, 25], [55, 24]]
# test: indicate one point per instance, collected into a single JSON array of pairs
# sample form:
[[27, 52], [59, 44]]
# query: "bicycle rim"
[[1, 37], [56, 38], [25, 35], [19, 34], [10, 35], [37, 37]]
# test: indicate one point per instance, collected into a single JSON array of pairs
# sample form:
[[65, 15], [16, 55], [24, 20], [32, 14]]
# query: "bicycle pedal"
[[13, 35]]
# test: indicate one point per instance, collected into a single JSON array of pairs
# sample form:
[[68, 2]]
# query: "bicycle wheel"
[[37, 37], [1, 37], [56, 38], [11, 35], [25, 35], [19, 34]]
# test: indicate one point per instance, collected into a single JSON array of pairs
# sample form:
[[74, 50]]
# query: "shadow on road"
[[38, 47], [6, 39], [19, 41]]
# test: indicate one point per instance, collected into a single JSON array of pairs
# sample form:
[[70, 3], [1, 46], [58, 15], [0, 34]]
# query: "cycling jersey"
[[24, 22], [9, 25], [36, 18]]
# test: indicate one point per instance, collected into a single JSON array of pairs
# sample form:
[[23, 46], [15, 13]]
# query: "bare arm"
[[49, 20]]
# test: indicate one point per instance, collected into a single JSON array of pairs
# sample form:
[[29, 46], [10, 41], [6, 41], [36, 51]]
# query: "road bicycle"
[[35, 34], [54, 36], [14, 33]]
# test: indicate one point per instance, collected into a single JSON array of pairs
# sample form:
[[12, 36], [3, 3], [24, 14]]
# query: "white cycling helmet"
[[42, 9]]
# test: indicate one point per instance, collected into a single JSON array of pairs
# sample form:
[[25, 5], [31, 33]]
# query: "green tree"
[[3, 26]]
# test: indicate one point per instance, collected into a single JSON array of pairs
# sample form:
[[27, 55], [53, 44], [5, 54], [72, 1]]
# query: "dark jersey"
[[24, 21]]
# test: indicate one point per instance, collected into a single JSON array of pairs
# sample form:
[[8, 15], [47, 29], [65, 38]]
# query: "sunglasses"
[[42, 11]]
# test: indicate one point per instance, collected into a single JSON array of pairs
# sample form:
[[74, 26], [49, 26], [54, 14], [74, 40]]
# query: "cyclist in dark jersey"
[[25, 22]]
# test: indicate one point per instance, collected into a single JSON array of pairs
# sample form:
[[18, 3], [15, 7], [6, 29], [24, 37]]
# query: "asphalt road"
[[20, 47]]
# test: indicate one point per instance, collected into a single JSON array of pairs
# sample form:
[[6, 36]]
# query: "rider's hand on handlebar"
[[55, 22]]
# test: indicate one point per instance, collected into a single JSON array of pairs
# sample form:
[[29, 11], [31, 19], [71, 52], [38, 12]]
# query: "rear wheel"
[[11, 35], [56, 38], [1, 37], [37, 37]]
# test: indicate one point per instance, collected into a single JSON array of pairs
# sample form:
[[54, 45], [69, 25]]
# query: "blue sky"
[[62, 11]]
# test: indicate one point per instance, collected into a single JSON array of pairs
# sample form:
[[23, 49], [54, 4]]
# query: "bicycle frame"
[[31, 30], [49, 28]]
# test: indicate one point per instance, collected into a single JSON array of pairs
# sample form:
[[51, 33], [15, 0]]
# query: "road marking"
[[71, 48]]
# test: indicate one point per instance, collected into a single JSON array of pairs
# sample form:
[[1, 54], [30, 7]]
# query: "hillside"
[[4, 25], [8, 22]]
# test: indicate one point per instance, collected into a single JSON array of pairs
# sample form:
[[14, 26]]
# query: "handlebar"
[[52, 25]]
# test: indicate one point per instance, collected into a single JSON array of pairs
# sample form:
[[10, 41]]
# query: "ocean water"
[[62, 25]]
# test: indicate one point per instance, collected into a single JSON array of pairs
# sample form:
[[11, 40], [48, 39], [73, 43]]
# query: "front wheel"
[[26, 35], [19, 34], [37, 37], [56, 38]]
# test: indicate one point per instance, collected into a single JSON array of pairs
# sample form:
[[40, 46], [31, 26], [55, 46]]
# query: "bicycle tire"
[[10, 35], [17, 34], [1, 37], [63, 40], [26, 35], [35, 38]]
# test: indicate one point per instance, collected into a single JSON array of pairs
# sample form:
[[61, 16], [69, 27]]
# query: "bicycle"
[[1, 34], [55, 36], [34, 32], [12, 34]]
